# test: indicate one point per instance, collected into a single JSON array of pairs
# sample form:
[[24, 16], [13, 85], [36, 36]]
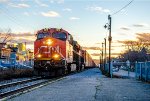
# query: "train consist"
[[56, 53]]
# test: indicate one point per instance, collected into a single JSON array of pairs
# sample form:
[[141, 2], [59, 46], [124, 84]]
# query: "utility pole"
[[105, 57], [108, 25], [100, 60], [109, 39], [102, 57]]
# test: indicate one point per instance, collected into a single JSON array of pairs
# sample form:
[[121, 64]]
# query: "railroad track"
[[10, 93], [18, 82]]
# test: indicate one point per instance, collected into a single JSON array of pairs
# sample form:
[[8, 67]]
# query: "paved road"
[[89, 85]]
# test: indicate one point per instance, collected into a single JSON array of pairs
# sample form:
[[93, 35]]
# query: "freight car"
[[89, 63], [56, 53]]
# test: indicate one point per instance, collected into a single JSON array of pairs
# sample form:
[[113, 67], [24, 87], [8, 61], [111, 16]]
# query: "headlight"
[[49, 42], [39, 55], [55, 56]]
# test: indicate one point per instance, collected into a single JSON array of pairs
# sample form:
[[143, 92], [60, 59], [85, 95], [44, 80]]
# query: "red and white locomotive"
[[56, 53]]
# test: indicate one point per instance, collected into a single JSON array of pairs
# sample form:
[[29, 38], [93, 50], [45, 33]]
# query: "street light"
[[109, 39]]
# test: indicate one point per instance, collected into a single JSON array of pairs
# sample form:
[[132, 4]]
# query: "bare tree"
[[144, 38], [143, 41], [137, 50], [5, 35]]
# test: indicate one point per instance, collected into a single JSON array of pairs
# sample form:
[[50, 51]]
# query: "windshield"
[[60, 35], [42, 35]]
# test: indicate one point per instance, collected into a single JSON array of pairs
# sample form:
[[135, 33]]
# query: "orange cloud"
[[91, 48], [98, 54]]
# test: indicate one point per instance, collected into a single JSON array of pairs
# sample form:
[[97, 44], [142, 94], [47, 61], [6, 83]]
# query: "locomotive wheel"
[[63, 71], [52, 73], [60, 71], [83, 66], [77, 68], [56, 72], [69, 68]]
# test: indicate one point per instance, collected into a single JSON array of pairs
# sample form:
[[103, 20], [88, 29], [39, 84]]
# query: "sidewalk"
[[124, 74]]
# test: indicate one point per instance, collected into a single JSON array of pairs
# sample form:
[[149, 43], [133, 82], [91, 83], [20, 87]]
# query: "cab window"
[[60, 35], [42, 35]]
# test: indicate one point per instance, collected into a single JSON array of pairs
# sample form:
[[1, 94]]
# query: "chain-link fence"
[[120, 65], [138, 70], [120, 69]]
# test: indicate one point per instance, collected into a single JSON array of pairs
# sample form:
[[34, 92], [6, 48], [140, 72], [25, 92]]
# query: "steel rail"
[[18, 82], [10, 93], [25, 88]]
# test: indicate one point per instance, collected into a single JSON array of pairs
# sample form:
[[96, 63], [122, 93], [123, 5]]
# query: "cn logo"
[[49, 49]]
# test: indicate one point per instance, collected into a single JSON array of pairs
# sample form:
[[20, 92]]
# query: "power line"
[[11, 19], [15, 19], [123, 7]]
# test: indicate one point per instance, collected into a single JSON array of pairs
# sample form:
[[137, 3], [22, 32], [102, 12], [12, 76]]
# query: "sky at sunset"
[[84, 19]]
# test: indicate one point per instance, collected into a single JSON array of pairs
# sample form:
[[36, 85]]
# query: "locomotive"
[[56, 53]]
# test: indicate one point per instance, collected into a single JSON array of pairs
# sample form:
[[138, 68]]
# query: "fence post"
[[106, 68], [128, 66], [140, 71], [111, 69], [136, 66], [146, 71]]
